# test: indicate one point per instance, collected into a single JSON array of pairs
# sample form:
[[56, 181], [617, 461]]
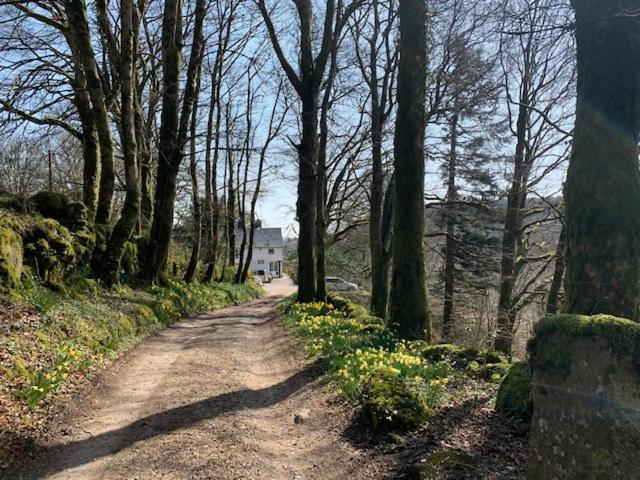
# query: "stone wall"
[[586, 399]]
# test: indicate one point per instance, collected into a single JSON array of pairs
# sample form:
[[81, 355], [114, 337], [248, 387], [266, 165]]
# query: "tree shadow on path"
[[49, 460]]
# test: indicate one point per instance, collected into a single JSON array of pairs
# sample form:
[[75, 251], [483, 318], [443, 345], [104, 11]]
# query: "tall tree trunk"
[[408, 307], [90, 143], [558, 273], [165, 193], [129, 216], [174, 126], [450, 244], [252, 217], [380, 88], [306, 206], [321, 179], [231, 195], [209, 183], [243, 199], [602, 190], [215, 203], [321, 209], [147, 160], [224, 37], [379, 272], [192, 267], [82, 44], [511, 235]]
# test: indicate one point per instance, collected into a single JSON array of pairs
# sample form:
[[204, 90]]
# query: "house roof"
[[264, 237]]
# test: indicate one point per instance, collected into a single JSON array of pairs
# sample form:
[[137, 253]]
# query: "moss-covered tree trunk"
[[408, 307], [162, 224], [450, 243], [558, 273], [90, 143], [129, 215], [321, 179], [76, 11], [602, 191], [321, 209], [144, 134], [174, 126]]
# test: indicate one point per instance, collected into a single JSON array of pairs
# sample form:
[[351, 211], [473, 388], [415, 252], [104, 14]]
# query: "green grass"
[[73, 332]]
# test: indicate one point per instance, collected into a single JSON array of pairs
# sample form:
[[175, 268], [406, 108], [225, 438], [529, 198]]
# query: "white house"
[[268, 251]]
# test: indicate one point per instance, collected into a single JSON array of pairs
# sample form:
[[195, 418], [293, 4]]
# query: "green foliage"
[[42, 383], [514, 395], [34, 292], [392, 402]]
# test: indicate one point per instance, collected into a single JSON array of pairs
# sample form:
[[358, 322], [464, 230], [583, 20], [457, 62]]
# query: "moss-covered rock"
[[48, 249], [17, 203], [129, 260], [487, 364], [442, 352], [11, 253], [514, 395], [391, 403], [77, 216], [51, 205], [446, 460], [586, 394], [350, 309], [554, 357]]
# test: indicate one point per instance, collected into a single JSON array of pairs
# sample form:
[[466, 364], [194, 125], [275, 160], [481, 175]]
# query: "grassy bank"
[[50, 342], [397, 384]]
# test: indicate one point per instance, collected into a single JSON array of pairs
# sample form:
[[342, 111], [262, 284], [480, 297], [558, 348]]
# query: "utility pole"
[[50, 160]]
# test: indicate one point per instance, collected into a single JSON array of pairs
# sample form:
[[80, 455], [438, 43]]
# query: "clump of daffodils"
[[356, 348]]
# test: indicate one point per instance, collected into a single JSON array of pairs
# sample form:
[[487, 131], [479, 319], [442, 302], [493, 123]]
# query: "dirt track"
[[212, 397]]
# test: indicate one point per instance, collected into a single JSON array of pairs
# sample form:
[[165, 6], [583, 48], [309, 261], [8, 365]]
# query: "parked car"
[[340, 284], [257, 280], [264, 276]]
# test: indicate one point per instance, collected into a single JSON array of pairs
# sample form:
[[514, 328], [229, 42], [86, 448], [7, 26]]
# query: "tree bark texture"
[[450, 243], [130, 211], [408, 307], [602, 190], [82, 44], [174, 126]]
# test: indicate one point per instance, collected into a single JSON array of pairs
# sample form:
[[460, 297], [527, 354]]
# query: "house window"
[[272, 251], [260, 262]]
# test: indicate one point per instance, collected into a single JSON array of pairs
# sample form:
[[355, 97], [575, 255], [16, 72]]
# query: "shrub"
[[392, 402], [514, 395]]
